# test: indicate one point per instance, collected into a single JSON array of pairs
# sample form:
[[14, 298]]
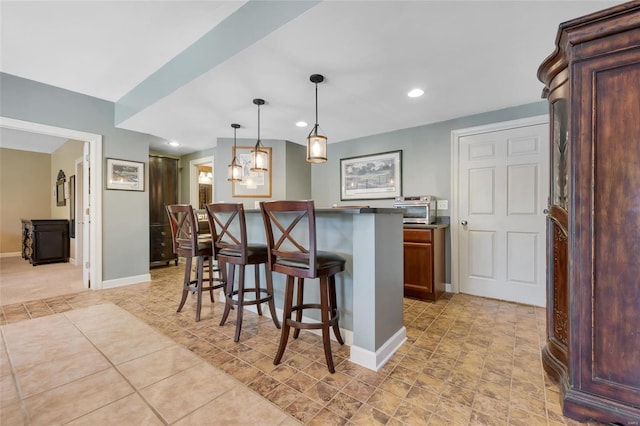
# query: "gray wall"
[[426, 163], [290, 173], [184, 172], [426, 159], [426, 155], [298, 172], [125, 226]]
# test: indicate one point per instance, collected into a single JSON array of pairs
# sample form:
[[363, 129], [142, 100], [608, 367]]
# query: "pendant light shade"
[[316, 142], [234, 170], [259, 155]]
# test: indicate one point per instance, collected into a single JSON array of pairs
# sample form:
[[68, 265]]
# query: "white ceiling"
[[26, 141], [468, 56]]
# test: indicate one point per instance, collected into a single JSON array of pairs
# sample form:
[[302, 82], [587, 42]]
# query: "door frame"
[[193, 179], [455, 177], [77, 242], [95, 197]]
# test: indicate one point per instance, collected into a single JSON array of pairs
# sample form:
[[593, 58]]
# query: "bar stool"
[[229, 235], [289, 256], [187, 243]]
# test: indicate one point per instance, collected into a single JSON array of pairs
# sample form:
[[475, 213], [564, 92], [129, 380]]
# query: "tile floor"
[[21, 282], [467, 361]]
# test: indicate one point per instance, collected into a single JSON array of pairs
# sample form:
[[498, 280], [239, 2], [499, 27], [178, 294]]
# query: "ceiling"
[[186, 70]]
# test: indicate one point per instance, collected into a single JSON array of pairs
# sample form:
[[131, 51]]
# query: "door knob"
[[463, 223]]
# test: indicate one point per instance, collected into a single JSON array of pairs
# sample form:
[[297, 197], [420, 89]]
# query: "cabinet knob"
[[545, 211], [463, 223]]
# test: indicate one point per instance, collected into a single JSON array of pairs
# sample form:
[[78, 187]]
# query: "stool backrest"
[[184, 229], [291, 236], [228, 228]]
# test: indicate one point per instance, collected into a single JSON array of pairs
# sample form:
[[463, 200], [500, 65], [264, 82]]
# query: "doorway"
[[91, 200], [201, 182], [500, 186]]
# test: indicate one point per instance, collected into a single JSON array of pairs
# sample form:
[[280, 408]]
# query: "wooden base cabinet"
[[593, 226], [424, 263], [45, 241]]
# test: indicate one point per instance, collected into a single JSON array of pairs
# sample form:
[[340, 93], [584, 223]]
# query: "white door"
[[84, 202], [79, 211], [502, 191]]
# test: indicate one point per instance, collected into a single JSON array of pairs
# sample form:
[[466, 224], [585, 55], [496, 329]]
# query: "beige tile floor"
[[22, 282], [101, 365], [467, 361]]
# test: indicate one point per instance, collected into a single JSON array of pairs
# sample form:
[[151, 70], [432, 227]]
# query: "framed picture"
[[125, 175], [368, 177], [61, 195], [253, 184]]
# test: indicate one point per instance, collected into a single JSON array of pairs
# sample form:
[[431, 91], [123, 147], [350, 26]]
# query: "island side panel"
[[378, 329]]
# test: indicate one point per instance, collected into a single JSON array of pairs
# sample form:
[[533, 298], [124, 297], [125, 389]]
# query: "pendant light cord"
[[316, 126], [258, 142]]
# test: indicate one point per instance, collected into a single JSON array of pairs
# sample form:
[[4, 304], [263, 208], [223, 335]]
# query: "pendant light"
[[316, 143], [234, 169], [259, 155]]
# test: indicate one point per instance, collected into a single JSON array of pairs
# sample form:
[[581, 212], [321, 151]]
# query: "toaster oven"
[[418, 209]]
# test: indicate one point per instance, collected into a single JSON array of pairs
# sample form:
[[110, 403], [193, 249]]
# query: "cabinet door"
[[418, 269], [559, 180], [555, 354]]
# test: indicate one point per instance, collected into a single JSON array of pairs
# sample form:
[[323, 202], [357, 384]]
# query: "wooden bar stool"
[[287, 223], [229, 234], [187, 243]]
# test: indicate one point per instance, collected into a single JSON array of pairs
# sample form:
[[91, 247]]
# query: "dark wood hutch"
[[45, 240], [593, 226]]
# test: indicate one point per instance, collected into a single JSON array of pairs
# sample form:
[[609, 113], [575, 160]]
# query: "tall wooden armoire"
[[593, 235], [163, 190]]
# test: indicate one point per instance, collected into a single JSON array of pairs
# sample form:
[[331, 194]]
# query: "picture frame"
[[375, 176], [125, 175], [61, 195], [253, 184]]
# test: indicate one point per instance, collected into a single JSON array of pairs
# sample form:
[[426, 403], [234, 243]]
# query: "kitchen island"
[[370, 290]]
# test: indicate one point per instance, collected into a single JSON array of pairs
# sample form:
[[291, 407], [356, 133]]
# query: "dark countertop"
[[349, 210], [425, 226]]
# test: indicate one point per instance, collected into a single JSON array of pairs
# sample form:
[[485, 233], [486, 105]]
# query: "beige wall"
[[25, 192], [64, 158], [27, 183]]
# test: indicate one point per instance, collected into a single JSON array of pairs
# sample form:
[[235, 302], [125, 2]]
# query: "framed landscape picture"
[[376, 176], [125, 175]]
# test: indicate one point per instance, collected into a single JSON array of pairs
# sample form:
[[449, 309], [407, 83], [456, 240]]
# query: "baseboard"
[[11, 254], [448, 287], [73, 261], [376, 360], [119, 282]]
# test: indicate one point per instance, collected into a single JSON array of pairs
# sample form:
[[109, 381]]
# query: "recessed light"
[[175, 143], [302, 124], [415, 93]]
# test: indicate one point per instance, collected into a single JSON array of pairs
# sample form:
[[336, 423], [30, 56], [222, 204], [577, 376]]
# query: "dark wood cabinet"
[[593, 226], [163, 190], [424, 268], [45, 240]]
